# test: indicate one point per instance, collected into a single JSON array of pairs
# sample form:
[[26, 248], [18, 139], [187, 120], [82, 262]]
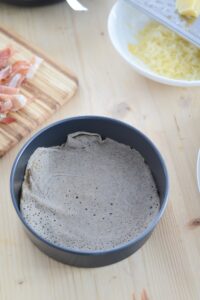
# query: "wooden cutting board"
[[50, 88]]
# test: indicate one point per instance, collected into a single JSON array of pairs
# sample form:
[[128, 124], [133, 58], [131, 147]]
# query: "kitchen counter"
[[167, 267]]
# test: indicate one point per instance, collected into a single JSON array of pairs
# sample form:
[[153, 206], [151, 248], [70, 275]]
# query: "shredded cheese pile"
[[167, 54]]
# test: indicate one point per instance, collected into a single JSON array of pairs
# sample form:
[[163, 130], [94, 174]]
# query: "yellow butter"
[[188, 8]]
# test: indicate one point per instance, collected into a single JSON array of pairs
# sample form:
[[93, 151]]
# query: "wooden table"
[[168, 266]]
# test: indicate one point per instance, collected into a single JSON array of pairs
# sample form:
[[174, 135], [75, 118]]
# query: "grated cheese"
[[167, 54]]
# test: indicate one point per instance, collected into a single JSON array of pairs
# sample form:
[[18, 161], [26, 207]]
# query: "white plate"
[[124, 23], [198, 171]]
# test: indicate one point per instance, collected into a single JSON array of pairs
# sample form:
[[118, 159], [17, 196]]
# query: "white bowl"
[[124, 23], [198, 171]]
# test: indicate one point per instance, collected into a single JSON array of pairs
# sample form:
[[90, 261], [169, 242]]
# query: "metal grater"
[[164, 11]]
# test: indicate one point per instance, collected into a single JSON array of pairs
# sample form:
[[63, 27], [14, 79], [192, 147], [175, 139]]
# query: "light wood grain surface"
[[168, 266]]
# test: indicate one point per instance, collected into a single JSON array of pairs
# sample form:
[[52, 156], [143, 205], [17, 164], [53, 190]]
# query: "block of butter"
[[188, 8]]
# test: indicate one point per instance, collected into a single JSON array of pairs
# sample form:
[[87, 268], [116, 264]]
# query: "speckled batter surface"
[[88, 194]]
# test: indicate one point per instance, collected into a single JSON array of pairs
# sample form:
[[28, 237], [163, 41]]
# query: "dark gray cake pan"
[[30, 2], [55, 134]]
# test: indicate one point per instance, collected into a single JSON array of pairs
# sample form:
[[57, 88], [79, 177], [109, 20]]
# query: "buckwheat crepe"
[[88, 194]]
